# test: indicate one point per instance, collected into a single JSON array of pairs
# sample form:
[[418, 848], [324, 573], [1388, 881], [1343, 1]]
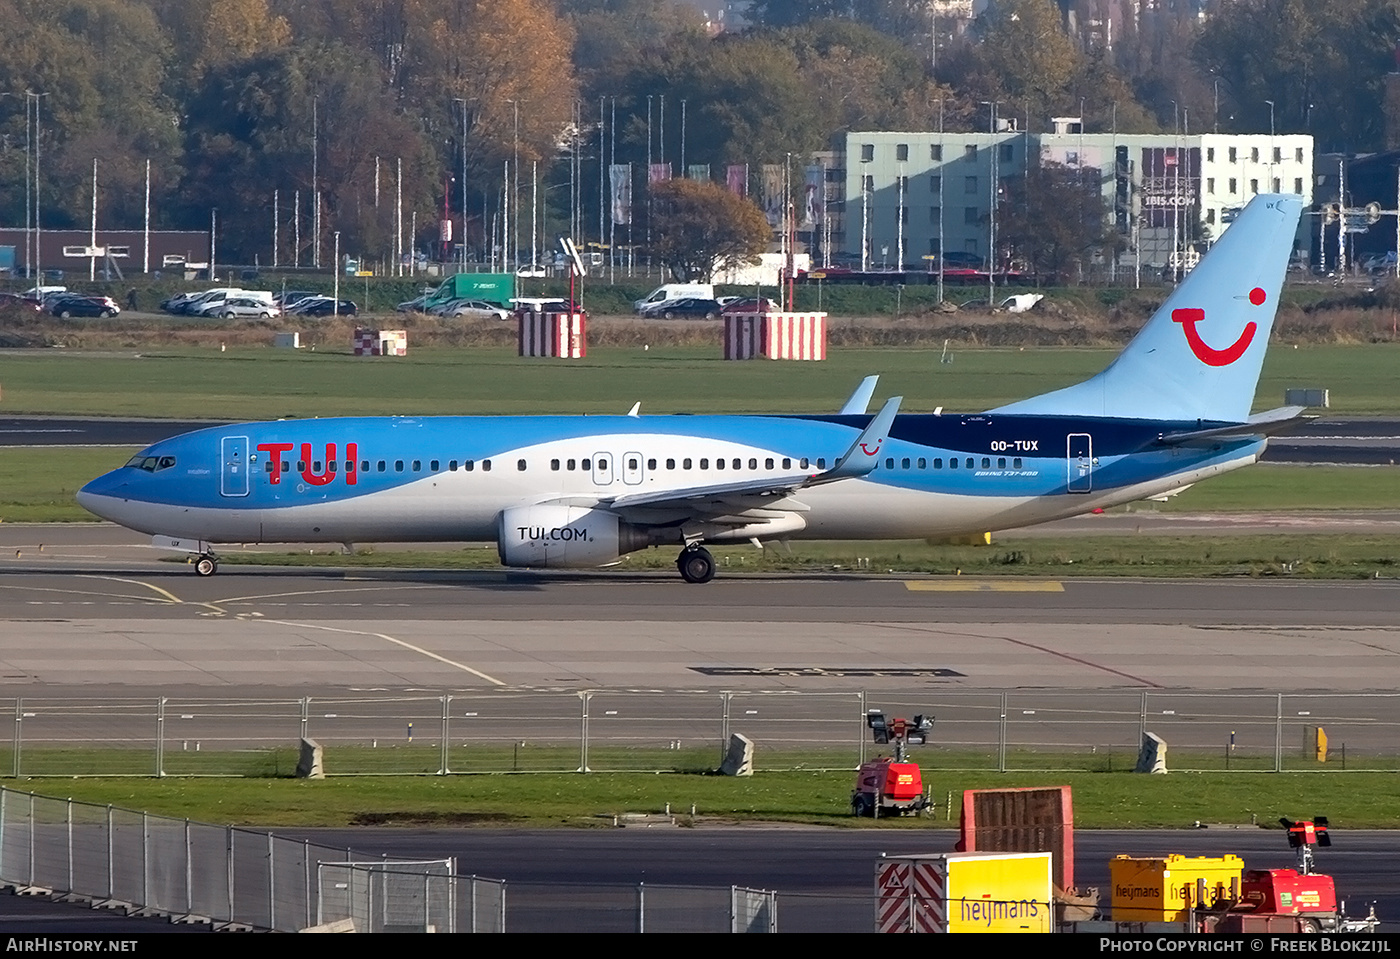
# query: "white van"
[[675, 291]]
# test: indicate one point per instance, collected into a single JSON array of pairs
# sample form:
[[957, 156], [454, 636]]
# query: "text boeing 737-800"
[[572, 491]]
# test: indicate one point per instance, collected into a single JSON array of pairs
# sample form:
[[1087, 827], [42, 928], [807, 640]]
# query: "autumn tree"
[[505, 63], [699, 227], [1054, 219]]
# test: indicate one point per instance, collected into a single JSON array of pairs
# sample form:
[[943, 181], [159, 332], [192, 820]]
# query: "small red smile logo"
[[869, 452], [1188, 318]]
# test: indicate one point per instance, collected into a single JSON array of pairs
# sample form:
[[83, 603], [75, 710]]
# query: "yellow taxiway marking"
[[166, 595], [981, 586], [397, 642]]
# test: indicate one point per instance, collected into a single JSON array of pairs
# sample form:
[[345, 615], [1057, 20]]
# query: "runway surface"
[[95, 610]]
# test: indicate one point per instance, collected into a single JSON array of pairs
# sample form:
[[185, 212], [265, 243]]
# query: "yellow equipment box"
[[1162, 890]]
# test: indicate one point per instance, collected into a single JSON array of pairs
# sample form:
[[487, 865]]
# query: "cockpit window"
[[151, 464]]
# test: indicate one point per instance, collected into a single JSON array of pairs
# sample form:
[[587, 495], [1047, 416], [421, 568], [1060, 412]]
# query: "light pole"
[[992, 211], [1271, 145], [335, 309], [463, 147], [38, 229]]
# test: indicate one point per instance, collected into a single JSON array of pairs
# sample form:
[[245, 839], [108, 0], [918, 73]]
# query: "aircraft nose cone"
[[97, 496]]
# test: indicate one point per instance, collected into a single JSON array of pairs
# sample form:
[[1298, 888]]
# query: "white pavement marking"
[[397, 642]]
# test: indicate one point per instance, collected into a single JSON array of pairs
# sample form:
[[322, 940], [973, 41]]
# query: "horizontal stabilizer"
[[1260, 424]]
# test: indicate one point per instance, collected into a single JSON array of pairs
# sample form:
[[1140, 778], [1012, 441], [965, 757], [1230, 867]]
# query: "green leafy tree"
[[698, 228], [101, 66], [1054, 220], [1323, 64], [250, 132], [864, 79], [1022, 59]]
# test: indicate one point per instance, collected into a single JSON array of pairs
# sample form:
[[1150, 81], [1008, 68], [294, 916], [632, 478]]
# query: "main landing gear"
[[206, 564], [696, 565]]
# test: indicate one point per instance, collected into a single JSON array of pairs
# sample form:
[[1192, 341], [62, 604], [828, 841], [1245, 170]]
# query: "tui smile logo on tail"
[[1189, 317]]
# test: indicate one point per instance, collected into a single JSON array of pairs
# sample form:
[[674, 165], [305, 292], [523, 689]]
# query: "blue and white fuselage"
[[572, 491], [449, 478]]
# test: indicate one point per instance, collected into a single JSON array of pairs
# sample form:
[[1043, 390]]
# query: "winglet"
[[636, 409], [860, 399], [864, 453]]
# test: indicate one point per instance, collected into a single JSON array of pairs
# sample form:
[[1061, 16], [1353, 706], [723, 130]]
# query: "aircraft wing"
[[1260, 424], [720, 498]]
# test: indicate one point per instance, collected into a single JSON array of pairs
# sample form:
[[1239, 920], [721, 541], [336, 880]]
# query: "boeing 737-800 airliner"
[[573, 491]]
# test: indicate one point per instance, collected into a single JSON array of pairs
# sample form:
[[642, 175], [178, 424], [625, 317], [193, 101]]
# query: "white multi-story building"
[[910, 196]]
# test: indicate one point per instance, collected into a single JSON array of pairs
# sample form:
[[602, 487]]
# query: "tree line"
[[231, 100]]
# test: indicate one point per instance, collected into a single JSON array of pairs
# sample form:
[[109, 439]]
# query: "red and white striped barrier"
[[909, 897], [777, 336], [381, 343], [561, 335]]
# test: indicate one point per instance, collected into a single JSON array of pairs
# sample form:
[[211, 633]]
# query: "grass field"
[[253, 383], [1352, 800]]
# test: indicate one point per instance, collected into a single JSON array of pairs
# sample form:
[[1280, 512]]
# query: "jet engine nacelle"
[[551, 537]]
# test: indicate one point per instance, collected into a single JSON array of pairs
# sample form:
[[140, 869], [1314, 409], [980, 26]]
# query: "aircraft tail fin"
[[1199, 356]]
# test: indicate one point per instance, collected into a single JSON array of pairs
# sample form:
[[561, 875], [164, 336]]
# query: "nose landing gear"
[[696, 565]]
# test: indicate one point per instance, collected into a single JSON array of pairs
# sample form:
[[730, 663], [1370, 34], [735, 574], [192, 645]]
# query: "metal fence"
[[625, 730], [239, 879]]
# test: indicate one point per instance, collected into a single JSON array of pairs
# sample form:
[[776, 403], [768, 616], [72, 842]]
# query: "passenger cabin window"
[[486, 465], [554, 465], [685, 463], [433, 466], [520, 465], [468, 465]]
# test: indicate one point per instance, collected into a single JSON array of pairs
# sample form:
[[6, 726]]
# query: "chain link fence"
[[239, 879], [624, 730]]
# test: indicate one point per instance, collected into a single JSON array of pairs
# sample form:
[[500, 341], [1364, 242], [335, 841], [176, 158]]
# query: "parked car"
[[72, 305], [291, 297], [750, 304], [243, 306], [686, 306], [474, 309], [955, 259], [324, 306], [416, 305]]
